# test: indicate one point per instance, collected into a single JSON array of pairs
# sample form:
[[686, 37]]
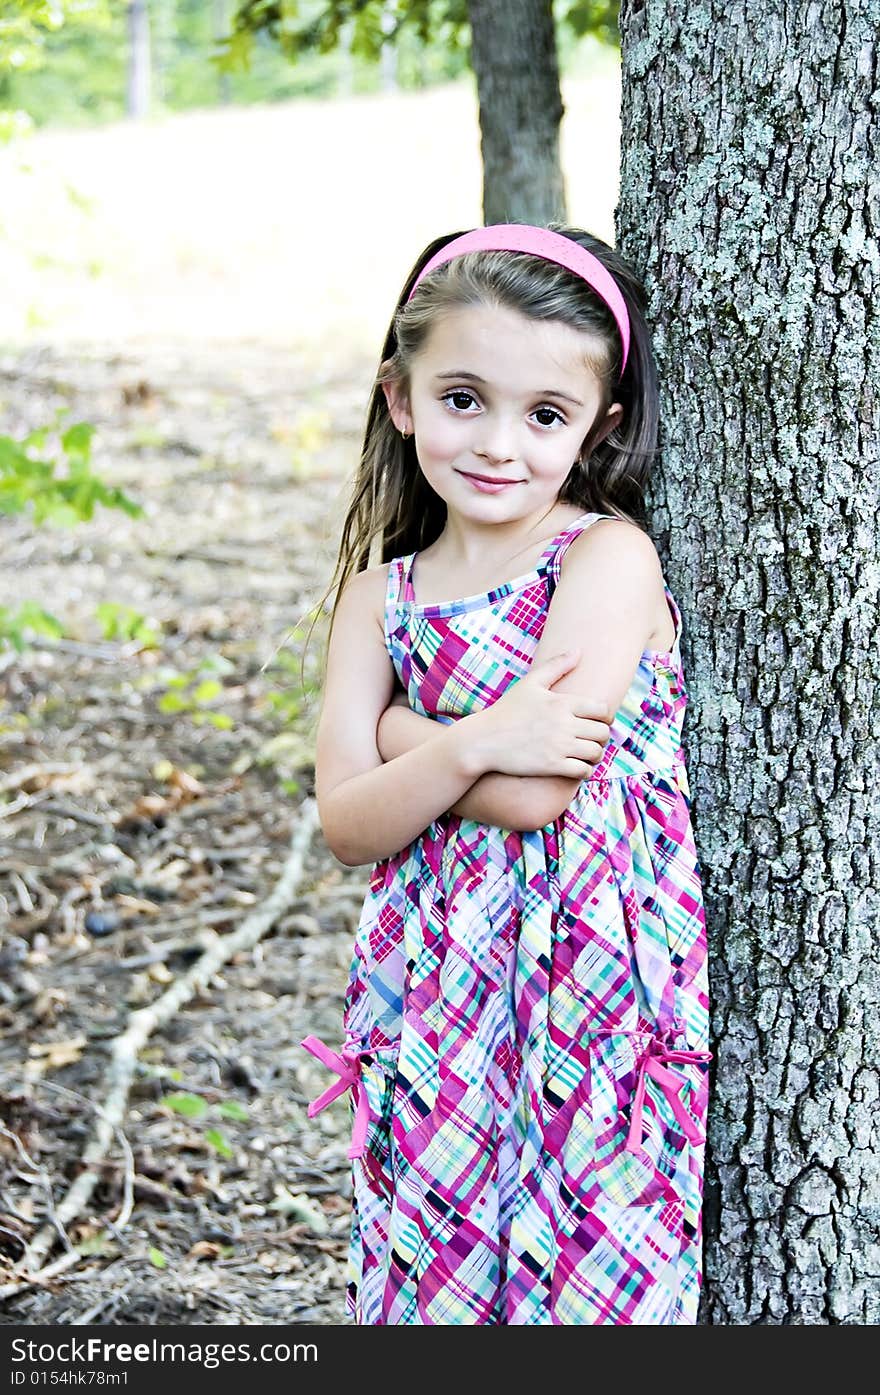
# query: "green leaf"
[[34, 617], [207, 690], [36, 438], [115, 619], [172, 702], [58, 514], [216, 1139], [231, 1109], [220, 720], [157, 1258], [76, 441], [190, 1106], [234, 53]]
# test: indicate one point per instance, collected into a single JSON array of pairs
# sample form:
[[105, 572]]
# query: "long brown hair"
[[391, 500]]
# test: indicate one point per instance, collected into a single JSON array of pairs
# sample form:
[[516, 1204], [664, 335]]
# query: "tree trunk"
[[388, 55], [221, 29], [138, 103], [750, 202], [513, 51]]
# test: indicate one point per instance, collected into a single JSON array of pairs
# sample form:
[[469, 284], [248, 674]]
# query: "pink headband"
[[540, 242]]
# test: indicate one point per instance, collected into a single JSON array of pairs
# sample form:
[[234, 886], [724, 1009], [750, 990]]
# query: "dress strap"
[[395, 590], [551, 563], [676, 619], [551, 559]]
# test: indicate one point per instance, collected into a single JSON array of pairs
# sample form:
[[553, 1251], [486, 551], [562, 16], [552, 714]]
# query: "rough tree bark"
[[750, 200], [513, 51]]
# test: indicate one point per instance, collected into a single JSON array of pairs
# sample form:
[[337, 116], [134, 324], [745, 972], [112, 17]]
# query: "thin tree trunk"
[[221, 29], [750, 201], [513, 49], [388, 55], [345, 83], [138, 103]]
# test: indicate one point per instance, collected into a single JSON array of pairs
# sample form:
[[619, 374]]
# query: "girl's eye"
[[551, 413], [459, 400]]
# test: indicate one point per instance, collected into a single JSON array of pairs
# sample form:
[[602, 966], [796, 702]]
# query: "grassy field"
[[288, 224]]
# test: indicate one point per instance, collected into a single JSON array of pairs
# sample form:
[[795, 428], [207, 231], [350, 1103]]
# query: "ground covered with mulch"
[[156, 765]]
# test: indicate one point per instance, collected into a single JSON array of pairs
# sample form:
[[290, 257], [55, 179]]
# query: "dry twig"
[[144, 1022]]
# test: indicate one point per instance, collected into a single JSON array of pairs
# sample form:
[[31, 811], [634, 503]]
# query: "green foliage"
[[64, 61], [367, 26], [293, 701], [231, 1109], [124, 623], [190, 71], [192, 1106], [25, 24], [28, 481], [301, 685], [76, 72], [218, 1142], [32, 32], [17, 627], [192, 693], [597, 17]]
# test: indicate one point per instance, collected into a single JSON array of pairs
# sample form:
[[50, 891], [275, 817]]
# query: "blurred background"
[[149, 192], [205, 223]]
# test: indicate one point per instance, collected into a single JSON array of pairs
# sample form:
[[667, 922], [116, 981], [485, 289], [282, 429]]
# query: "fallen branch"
[[37, 770], [43, 1277], [141, 1024], [109, 653], [70, 811], [128, 1185]]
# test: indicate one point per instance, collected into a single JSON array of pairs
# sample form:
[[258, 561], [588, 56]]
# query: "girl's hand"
[[533, 731]]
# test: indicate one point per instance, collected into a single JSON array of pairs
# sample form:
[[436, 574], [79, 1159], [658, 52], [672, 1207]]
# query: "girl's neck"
[[483, 547]]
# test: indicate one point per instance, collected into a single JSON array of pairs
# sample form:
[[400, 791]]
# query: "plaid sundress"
[[526, 1019]]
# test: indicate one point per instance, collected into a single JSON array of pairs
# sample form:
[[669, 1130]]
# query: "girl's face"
[[500, 407]]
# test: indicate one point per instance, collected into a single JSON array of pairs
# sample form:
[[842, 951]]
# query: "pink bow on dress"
[[347, 1066], [652, 1062]]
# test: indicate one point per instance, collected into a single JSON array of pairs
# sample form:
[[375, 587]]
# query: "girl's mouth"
[[486, 485]]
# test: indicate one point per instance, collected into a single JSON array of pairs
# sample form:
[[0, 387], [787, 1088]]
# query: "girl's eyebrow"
[[475, 378]]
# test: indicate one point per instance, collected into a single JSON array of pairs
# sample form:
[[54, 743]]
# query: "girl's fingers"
[[592, 752], [593, 731], [592, 710], [575, 768]]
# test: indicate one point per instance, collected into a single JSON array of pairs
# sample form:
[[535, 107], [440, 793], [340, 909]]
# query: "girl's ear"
[[606, 424], [398, 406]]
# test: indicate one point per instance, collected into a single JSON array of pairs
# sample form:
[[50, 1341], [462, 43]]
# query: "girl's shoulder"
[[615, 557], [603, 541], [366, 590], [618, 540]]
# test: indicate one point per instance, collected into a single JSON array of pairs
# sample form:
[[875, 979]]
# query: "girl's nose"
[[497, 441]]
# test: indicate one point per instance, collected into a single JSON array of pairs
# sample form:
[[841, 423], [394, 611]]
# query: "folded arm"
[[520, 802], [370, 809], [616, 565]]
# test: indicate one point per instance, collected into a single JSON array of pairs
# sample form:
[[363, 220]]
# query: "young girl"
[[526, 1017]]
